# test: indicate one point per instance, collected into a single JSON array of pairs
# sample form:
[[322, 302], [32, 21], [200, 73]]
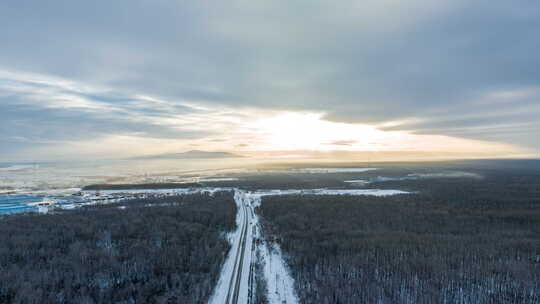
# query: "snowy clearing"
[[451, 174]]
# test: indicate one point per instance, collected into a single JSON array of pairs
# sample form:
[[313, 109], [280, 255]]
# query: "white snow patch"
[[222, 287], [283, 290], [279, 281], [256, 195], [280, 284], [357, 181], [372, 192], [62, 191], [217, 179], [158, 191], [452, 174], [333, 170]]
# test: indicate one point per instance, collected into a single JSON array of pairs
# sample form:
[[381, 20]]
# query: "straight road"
[[238, 289], [235, 285]]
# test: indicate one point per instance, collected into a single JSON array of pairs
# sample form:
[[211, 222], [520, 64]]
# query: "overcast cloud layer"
[[171, 69]]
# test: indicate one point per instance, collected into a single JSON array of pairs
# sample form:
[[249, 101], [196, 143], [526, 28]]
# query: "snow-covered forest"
[[162, 248], [457, 241]]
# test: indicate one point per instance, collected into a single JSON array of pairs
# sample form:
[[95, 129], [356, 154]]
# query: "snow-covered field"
[[173, 191], [414, 176], [256, 195], [448, 174], [332, 170], [357, 181]]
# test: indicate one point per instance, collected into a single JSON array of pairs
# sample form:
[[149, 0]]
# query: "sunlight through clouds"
[[117, 124], [308, 131]]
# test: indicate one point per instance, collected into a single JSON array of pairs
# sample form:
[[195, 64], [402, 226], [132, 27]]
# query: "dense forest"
[[455, 241], [152, 250]]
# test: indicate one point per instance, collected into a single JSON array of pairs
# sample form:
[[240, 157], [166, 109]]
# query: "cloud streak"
[[194, 72]]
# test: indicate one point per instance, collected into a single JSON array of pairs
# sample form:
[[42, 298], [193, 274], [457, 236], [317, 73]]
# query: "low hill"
[[193, 154]]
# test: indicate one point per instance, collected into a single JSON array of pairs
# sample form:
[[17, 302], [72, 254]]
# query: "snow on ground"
[[280, 284], [279, 281], [217, 179], [56, 192], [246, 266], [283, 290], [360, 182], [71, 198], [174, 191], [256, 196], [222, 287], [332, 170], [415, 176], [449, 174], [372, 192]]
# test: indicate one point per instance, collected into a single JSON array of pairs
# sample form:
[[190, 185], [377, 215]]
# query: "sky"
[[107, 79]]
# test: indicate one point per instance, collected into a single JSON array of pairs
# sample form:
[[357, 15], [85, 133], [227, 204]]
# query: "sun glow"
[[298, 135], [307, 131], [298, 131]]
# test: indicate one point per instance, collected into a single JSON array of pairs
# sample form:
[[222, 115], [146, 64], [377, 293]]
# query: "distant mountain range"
[[193, 154]]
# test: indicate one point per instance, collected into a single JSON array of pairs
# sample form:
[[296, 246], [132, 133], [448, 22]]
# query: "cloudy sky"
[[123, 78]]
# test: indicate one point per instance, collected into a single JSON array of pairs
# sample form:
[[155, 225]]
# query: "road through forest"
[[235, 285], [236, 282]]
